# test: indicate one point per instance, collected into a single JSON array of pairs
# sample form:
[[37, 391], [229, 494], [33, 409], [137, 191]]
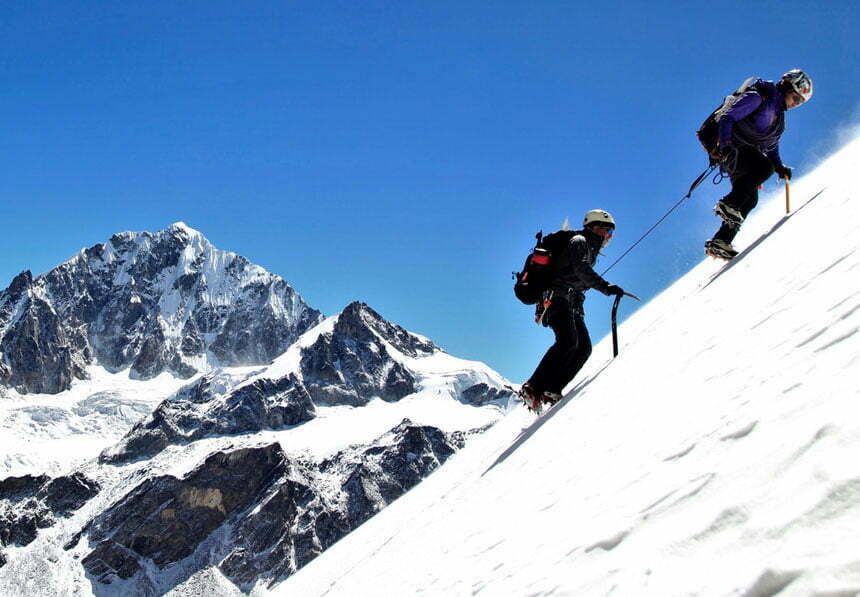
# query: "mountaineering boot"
[[550, 398], [719, 249], [729, 214], [530, 397]]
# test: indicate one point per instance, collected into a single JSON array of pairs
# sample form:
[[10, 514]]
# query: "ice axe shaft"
[[615, 304]]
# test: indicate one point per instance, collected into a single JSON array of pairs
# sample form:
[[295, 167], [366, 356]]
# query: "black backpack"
[[710, 129], [539, 268]]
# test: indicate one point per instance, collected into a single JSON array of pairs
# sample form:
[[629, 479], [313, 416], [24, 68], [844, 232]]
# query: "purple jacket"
[[756, 118]]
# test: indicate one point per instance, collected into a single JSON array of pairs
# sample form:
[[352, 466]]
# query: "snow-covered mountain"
[[716, 456], [168, 301], [132, 484], [348, 360]]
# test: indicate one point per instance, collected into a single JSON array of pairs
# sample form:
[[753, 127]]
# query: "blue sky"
[[398, 153]]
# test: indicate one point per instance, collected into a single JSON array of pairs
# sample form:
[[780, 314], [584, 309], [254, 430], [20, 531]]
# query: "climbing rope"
[[717, 179]]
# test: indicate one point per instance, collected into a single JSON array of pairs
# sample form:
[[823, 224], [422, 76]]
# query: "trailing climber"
[[572, 275], [749, 127]]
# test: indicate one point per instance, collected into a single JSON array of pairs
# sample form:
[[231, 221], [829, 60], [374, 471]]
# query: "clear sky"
[[399, 153]]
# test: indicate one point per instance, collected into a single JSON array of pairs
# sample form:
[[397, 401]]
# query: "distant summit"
[[151, 302]]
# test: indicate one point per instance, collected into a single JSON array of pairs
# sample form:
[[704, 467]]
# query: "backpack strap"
[[751, 82]]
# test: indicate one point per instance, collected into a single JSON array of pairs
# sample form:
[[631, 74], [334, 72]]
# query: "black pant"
[[751, 169], [571, 350]]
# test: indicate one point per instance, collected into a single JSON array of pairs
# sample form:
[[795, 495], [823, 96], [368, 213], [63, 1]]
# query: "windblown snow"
[[717, 455]]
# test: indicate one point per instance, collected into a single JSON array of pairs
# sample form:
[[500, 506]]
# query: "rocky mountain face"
[[167, 301], [253, 512], [200, 410], [355, 362], [362, 357]]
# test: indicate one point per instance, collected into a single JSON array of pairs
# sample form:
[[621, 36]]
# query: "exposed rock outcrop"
[[256, 514], [200, 410], [305, 516], [164, 519], [31, 503], [355, 362]]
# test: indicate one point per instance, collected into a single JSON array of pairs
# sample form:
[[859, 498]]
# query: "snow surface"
[[717, 455]]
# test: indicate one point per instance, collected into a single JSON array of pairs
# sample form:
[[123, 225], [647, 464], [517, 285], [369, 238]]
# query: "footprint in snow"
[[740, 433], [610, 543], [850, 312], [812, 337], [728, 518], [835, 263], [841, 502], [843, 301], [838, 340], [677, 496], [680, 454], [822, 433], [772, 582]]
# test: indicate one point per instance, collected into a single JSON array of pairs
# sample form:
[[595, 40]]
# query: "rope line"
[[696, 183]]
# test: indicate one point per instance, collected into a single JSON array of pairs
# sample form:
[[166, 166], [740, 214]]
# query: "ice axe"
[[614, 323]]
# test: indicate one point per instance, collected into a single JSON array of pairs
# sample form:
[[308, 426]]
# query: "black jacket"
[[574, 267]]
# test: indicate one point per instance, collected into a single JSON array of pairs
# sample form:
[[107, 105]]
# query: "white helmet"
[[598, 216], [800, 82]]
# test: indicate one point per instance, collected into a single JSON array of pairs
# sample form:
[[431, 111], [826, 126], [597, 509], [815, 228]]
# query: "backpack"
[[539, 268], [710, 129]]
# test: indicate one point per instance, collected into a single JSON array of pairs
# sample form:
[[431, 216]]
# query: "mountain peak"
[[358, 308], [154, 302], [359, 320], [177, 235], [182, 226], [184, 231], [21, 282]]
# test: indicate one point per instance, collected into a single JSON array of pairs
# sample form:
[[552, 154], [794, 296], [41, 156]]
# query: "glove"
[[613, 290], [783, 171], [725, 150]]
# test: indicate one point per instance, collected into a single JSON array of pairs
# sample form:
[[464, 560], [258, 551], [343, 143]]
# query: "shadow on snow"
[[541, 419]]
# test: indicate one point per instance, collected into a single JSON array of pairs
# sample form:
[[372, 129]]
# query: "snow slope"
[[717, 455]]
